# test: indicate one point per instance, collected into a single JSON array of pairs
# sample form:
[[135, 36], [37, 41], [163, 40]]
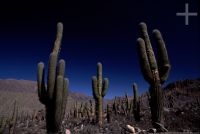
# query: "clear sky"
[[96, 31]]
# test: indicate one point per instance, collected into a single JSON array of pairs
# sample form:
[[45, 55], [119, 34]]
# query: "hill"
[[181, 107], [25, 93]]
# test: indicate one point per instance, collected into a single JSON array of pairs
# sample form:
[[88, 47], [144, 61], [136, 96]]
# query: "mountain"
[[25, 93]]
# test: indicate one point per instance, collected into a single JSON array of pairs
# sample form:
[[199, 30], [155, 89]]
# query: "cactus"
[[109, 113], [81, 110], [154, 73], [3, 123], [129, 106], [86, 110], [91, 108], [55, 94], [114, 106], [136, 103], [10, 121], [76, 110], [99, 88]]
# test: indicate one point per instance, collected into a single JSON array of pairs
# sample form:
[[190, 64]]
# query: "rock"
[[81, 127], [152, 130], [166, 109], [143, 132], [131, 129], [67, 131], [137, 130], [161, 127]]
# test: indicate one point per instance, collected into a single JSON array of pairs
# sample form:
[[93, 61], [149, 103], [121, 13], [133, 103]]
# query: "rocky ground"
[[176, 120], [181, 114]]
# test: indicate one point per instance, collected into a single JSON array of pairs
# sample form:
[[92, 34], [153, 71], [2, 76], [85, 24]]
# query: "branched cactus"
[[136, 103], [154, 73], [99, 88], [55, 94]]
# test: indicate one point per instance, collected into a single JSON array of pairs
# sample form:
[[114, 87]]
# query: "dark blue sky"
[[94, 31]]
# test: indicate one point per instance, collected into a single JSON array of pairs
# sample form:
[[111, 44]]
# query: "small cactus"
[[99, 88], [109, 113], [55, 94], [76, 110], [3, 123], [136, 103], [12, 121], [114, 107], [154, 73]]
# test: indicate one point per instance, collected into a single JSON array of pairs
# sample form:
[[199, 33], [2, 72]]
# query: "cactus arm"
[[94, 87], [65, 94], [58, 99], [149, 50], [41, 83], [57, 43], [61, 68], [51, 75], [143, 60], [105, 86], [99, 78], [163, 61]]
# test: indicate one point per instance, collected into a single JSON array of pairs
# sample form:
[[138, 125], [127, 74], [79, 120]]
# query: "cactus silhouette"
[[154, 73], [99, 88], [55, 94]]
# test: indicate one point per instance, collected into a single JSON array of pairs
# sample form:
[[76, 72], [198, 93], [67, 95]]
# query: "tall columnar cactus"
[[136, 103], [99, 88], [154, 73], [54, 95]]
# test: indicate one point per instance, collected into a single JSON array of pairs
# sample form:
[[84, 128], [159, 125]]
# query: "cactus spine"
[[155, 74], [99, 88], [55, 95]]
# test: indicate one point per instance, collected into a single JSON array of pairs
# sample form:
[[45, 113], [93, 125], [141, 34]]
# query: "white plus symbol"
[[186, 14]]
